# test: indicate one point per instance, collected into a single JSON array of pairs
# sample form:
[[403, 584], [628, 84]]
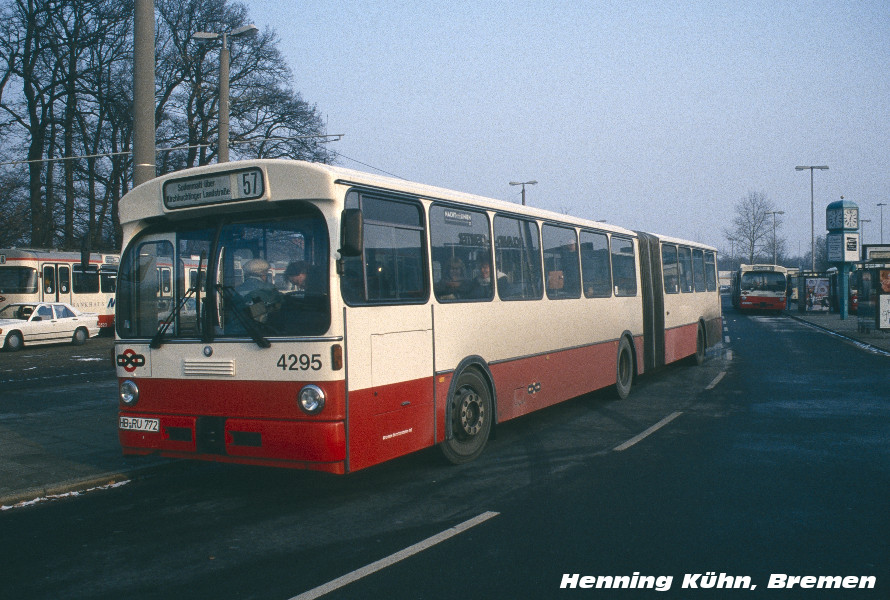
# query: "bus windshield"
[[239, 277], [763, 281], [18, 280]]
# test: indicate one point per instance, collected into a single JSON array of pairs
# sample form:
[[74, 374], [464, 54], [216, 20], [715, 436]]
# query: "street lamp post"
[[523, 184], [881, 205], [775, 248], [223, 155], [812, 212]]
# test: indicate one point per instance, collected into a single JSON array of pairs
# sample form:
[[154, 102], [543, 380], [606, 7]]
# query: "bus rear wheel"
[[625, 369], [701, 345], [471, 418]]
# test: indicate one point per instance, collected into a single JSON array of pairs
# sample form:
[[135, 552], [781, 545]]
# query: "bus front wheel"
[[471, 418]]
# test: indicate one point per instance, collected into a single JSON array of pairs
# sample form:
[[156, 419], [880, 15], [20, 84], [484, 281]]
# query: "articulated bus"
[[760, 287], [328, 319], [54, 276]]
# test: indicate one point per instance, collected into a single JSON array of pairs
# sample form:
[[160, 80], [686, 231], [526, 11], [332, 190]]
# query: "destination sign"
[[216, 188]]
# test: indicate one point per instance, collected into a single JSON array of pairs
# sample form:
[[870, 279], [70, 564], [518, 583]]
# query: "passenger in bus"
[[453, 284], [482, 286], [260, 295], [297, 274]]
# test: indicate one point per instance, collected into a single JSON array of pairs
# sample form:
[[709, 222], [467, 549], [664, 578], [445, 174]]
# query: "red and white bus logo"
[[130, 361]]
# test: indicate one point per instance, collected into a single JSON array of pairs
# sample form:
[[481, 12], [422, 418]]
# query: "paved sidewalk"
[[55, 452], [852, 328]]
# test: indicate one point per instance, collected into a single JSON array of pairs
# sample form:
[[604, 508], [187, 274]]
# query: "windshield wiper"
[[249, 324], [174, 312]]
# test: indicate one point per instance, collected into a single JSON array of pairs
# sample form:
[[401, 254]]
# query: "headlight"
[[129, 392], [312, 399]]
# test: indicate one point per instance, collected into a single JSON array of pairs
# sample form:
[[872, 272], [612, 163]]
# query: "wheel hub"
[[471, 412]]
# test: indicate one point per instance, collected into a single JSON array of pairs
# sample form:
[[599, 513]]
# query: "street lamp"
[[223, 155], [775, 249], [881, 205], [523, 184], [812, 212]]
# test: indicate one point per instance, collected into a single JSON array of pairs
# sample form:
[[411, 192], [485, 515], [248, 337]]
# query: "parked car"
[[43, 323]]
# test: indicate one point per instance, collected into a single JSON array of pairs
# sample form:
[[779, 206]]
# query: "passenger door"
[[389, 337]]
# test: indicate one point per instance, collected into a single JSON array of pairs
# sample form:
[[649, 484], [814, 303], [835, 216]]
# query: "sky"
[[655, 116]]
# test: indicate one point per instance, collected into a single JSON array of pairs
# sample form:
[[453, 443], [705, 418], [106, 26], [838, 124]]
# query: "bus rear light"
[[336, 357], [311, 399], [129, 392]]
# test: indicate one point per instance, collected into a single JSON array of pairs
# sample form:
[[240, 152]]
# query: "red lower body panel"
[[260, 423], [241, 422], [762, 303]]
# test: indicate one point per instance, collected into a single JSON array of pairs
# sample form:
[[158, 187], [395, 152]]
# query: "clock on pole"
[[842, 222]]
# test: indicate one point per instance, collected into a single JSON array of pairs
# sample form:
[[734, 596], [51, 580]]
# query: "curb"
[[76, 486]]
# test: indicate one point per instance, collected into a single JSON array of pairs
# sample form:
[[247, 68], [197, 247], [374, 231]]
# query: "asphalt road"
[[771, 458]]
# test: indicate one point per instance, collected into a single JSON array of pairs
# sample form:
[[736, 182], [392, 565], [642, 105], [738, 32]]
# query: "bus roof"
[[321, 181]]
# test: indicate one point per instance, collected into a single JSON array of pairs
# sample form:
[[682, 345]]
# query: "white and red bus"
[[424, 316], [28, 275], [759, 287]]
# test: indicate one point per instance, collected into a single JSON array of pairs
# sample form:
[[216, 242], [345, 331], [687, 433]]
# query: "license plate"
[[139, 424]]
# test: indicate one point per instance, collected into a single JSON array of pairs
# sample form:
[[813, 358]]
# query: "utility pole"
[[144, 92]]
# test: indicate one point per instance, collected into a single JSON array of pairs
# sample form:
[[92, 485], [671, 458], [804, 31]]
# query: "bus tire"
[[80, 336], [624, 369], [701, 345], [14, 341], [471, 418]]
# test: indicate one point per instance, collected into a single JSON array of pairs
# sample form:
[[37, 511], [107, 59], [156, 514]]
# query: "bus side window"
[[460, 243], [624, 271], [671, 269], [394, 269], [518, 257], [561, 262], [711, 271], [85, 282], [686, 283], [595, 265], [698, 260]]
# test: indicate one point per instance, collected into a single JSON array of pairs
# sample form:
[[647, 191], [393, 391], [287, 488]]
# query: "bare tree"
[[752, 228], [66, 91]]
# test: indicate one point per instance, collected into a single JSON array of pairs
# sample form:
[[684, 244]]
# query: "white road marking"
[[727, 339], [393, 558], [647, 433], [716, 380]]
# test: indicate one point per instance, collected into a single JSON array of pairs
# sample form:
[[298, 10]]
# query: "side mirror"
[[37, 319], [351, 232]]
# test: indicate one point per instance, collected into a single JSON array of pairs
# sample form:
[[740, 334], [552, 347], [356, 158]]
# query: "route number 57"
[[250, 184]]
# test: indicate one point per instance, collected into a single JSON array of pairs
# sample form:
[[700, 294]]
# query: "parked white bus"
[[420, 316], [29, 275]]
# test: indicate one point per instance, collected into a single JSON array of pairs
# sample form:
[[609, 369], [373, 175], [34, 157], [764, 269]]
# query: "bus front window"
[[254, 278]]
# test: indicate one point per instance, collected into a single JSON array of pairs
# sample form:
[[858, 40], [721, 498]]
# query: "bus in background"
[[342, 319], [760, 287], [28, 275]]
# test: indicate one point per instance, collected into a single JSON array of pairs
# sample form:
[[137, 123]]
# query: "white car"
[[44, 323]]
